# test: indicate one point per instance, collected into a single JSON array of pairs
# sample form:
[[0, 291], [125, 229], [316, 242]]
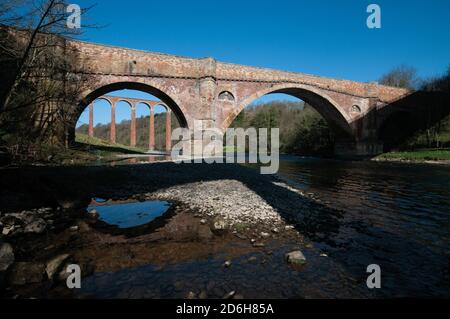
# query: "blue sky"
[[322, 37]]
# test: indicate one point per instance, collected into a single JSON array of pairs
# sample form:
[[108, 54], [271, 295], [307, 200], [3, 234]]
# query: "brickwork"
[[191, 88]]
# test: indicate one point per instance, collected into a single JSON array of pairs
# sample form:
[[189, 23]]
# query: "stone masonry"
[[216, 92]]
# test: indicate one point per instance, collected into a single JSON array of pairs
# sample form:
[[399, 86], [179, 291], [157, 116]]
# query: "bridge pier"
[[133, 126], [91, 120], [112, 135], [358, 149], [151, 133], [168, 130]]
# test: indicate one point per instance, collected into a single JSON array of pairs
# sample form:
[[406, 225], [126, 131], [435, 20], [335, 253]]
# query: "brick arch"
[[333, 113], [104, 99], [162, 105], [167, 101], [125, 101], [146, 104]]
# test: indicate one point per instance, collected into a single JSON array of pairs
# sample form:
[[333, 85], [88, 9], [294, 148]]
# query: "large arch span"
[[330, 110]]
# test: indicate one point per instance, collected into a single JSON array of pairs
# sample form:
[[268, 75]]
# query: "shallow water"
[[128, 215], [393, 215]]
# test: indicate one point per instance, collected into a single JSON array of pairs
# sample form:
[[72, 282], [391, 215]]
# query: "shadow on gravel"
[[74, 186], [353, 244]]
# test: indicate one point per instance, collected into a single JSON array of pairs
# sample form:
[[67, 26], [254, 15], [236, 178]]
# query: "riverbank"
[[227, 213], [426, 156]]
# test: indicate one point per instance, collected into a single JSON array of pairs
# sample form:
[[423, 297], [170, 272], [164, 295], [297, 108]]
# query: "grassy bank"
[[103, 147], [421, 155], [90, 149]]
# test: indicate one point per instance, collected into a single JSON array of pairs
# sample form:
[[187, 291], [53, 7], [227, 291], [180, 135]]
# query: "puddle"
[[130, 215], [99, 200]]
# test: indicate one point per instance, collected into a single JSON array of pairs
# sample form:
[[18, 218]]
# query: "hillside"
[[101, 131]]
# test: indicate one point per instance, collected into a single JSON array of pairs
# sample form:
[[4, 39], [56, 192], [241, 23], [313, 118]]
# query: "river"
[[394, 215]]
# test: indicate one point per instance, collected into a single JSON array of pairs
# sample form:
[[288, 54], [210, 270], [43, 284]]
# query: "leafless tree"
[[38, 67], [402, 76]]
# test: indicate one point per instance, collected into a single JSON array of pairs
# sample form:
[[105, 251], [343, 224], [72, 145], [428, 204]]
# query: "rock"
[[70, 204], [229, 295], [11, 220], [323, 255], [259, 245], [296, 257], [238, 297], [205, 233], [191, 295], [54, 265], [265, 235], [275, 230], [252, 259], [227, 264], [203, 221], [219, 225], [240, 236], [23, 273], [93, 214], [74, 228], [8, 230], [6, 256], [288, 227], [203, 295], [37, 226], [63, 274]]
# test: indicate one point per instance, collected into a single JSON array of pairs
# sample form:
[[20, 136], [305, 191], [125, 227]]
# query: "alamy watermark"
[[249, 145], [374, 19], [74, 279], [74, 18], [374, 279]]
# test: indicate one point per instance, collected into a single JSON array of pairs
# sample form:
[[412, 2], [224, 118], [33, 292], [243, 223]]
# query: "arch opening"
[[139, 116], [309, 123]]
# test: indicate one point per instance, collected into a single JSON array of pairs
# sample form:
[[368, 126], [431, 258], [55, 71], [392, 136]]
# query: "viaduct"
[[113, 100], [216, 92]]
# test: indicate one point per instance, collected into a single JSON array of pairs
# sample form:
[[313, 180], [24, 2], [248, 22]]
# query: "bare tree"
[[402, 76], [30, 19], [38, 65]]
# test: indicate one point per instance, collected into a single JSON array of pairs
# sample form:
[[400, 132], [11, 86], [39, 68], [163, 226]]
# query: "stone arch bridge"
[[216, 92]]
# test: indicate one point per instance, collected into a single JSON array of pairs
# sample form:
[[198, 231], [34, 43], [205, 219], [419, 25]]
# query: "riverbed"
[[343, 216]]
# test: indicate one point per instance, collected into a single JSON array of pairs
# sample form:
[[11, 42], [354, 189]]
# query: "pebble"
[[229, 295], [229, 209], [296, 257], [191, 295]]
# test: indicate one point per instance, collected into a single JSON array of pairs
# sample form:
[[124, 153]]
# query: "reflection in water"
[[395, 215], [127, 215]]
